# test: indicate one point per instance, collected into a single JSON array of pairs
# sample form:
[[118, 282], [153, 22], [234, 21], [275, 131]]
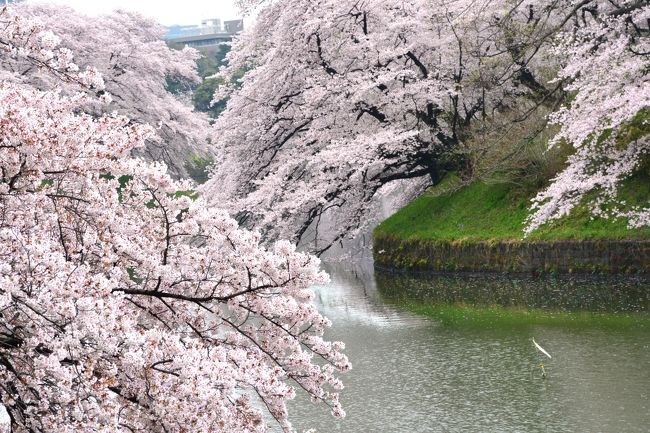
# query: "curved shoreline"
[[564, 256]]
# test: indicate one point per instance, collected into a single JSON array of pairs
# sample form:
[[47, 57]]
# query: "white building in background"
[[211, 26]]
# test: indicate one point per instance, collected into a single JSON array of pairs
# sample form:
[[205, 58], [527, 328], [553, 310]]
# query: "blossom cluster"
[[606, 68], [341, 98], [131, 65], [126, 302]]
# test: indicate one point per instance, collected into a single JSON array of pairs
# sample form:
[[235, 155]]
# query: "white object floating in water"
[[541, 349]]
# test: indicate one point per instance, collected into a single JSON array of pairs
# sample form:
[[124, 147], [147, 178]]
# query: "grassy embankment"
[[497, 212], [480, 227]]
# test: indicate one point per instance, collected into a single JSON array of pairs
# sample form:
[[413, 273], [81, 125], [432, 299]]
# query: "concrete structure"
[[567, 256], [207, 37]]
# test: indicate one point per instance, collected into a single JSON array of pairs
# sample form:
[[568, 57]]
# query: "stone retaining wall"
[[598, 256]]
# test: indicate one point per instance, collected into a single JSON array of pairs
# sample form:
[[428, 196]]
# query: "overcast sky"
[[166, 12]]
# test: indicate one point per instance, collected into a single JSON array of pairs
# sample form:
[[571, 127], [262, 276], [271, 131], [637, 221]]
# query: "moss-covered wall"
[[601, 256]]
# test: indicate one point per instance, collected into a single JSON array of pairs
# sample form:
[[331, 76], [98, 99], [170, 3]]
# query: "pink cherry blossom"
[[342, 98], [127, 302]]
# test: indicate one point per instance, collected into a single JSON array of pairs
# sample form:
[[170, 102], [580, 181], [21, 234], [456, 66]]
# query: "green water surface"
[[445, 353]]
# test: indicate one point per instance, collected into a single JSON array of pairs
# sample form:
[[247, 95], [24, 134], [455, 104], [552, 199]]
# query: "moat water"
[[471, 366]]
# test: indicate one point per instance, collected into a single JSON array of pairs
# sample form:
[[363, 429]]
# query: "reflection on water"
[[411, 374], [561, 293]]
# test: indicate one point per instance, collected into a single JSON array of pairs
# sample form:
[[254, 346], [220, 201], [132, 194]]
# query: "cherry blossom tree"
[[606, 64], [344, 97], [126, 302], [129, 51]]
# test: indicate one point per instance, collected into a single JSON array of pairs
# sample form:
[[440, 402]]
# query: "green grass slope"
[[497, 212]]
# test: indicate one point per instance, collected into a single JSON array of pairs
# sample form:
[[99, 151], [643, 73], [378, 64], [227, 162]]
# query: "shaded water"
[[418, 374]]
